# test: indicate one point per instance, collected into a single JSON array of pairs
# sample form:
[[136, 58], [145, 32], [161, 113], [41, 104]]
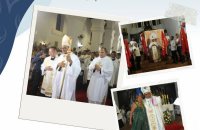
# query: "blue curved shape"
[[3, 34], [11, 14], [0, 7], [0, 62]]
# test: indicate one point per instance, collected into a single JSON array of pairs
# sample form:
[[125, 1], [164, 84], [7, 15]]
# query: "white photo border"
[[62, 111], [157, 72], [134, 86]]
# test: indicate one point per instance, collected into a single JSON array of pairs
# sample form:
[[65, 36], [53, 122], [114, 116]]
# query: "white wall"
[[44, 28], [73, 27], [87, 35], [116, 99], [116, 45], [159, 26], [172, 26]]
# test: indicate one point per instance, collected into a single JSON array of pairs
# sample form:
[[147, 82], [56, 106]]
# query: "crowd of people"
[[172, 49], [57, 73]]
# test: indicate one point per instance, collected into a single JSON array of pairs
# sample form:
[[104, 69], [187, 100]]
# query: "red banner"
[[128, 53], [164, 44], [184, 42], [143, 43]]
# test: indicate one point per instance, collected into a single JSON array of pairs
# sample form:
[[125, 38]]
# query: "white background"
[[11, 79]]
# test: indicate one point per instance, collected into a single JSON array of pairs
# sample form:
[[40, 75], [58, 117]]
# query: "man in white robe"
[[113, 81], [137, 56], [68, 69], [154, 111], [154, 47], [48, 71], [101, 70]]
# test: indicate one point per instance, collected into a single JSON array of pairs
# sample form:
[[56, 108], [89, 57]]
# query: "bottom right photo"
[[155, 107]]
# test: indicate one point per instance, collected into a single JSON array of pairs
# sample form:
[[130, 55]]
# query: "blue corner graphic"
[[11, 14]]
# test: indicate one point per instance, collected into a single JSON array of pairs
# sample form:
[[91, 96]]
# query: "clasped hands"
[[68, 58], [62, 64], [48, 68], [97, 67]]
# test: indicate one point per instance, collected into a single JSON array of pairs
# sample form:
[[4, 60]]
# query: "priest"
[[154, 47], [48, 71], [100, 70], [153, 109], [67, 70]]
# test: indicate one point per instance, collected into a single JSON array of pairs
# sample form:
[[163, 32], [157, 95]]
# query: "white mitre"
[[66, 41], [153, 35], [145, 89], [132, 42]]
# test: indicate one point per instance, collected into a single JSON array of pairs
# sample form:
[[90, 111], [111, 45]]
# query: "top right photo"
[[156, 45]]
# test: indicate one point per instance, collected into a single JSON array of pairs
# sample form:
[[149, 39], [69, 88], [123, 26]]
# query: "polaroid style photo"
[[154, 107], [72, 63], [156, 44]]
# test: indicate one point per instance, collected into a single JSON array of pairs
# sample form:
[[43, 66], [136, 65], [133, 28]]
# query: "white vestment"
[[155, 54], [98, 86], [154, 113], [48, 75], [86, 65], [64, 85], [113, 80]]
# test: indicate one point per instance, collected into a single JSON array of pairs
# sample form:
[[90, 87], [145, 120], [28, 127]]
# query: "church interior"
[[170, 104], [136, 32], [88, 35]]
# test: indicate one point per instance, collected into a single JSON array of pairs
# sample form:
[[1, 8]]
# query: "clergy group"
[[56, 74], [156, 46]]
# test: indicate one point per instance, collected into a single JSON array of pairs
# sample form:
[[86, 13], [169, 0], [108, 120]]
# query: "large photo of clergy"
[[74, 58], [156, 45], [155, 107]]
